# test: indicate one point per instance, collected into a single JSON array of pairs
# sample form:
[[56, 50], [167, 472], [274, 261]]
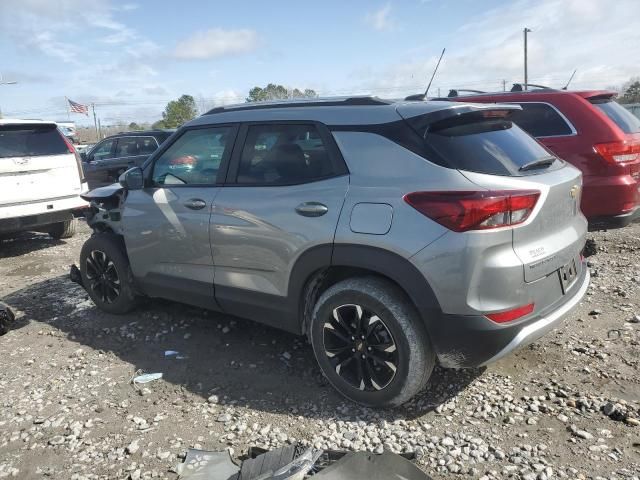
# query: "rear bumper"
[[31, 215], [614, 221], [463, 341]]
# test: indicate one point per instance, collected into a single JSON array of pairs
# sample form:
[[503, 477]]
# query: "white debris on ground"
[[565, 407]]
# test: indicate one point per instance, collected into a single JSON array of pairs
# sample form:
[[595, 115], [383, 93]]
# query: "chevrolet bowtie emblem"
[[574, 191]]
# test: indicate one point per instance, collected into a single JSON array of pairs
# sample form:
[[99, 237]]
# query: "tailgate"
[[36, 164], [30, 179], [554, 235]]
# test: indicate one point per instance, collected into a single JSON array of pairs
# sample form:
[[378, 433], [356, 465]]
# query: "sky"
[[131, 57]]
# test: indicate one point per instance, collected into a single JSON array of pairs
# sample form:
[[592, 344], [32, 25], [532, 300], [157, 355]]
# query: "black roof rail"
[[313, 102], [455, 92], [517, 87]]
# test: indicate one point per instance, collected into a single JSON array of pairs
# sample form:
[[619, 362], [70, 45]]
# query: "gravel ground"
[[565, 407]]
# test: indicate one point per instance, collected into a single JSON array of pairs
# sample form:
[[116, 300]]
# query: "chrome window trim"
[[573, 133]]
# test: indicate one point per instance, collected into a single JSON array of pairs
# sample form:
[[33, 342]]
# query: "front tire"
[[66, 229], [370, 342], [106, 274]]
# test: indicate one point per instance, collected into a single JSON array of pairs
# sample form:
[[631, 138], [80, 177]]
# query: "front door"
[[283, 198], [166, 224]]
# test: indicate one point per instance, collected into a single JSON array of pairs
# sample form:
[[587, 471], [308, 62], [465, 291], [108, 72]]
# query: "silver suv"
[[392, 234]]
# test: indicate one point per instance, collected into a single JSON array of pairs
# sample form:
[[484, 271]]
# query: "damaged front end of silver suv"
[[105, 208], [103, 215]]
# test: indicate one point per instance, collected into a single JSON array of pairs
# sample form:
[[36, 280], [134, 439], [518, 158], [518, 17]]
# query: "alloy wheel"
[[102, 276], [360, 347]]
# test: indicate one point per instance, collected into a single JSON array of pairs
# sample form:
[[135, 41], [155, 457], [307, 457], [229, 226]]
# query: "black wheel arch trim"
[[312, 264]]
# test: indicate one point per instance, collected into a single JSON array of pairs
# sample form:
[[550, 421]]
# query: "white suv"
[[41, 179]]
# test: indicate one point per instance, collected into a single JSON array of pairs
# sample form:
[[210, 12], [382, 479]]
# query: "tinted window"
[[103, 150], [127, 147], [194, 158], [283, 155], [540, 120], [494, 146], [30, 141], [622, 117], [132, 146]]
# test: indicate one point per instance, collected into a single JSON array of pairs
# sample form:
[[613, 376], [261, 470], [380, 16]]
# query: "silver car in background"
[[393, 234]]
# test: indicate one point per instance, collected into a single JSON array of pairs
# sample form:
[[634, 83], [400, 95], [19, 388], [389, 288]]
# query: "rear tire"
[[106, 274], [66, 229], [370, 342]]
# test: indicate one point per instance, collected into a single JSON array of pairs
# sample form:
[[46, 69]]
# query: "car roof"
[[361, 110], [142, 133], [16, 121]]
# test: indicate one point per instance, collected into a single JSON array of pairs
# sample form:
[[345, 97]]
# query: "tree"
[[177, 112], [134, 126], [631, 91], [278, 92]]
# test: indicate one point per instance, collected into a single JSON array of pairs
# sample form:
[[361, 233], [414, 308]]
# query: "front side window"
[[103, 150], [194, 158], [540, 120], [283, 155]]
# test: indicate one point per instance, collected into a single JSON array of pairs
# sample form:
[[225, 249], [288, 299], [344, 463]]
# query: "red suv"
[[591, 131]]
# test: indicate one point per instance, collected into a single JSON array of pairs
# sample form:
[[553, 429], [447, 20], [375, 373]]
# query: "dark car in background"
[[590, 130], [109, 158]]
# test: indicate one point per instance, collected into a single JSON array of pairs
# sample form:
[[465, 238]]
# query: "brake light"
[[510, 315], [464, 211], [73, 150], [622, 151]]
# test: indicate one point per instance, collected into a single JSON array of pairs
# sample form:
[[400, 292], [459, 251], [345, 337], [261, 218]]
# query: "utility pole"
[[504, 85], [95, 121], [99, 129], [526, 77]]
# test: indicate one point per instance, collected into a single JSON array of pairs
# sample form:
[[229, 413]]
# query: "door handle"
[[195, 204], [311, 209]]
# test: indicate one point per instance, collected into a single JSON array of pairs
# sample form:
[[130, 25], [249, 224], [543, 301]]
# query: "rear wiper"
[[540, 163]]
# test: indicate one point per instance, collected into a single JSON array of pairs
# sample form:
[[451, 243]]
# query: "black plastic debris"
[[75, 276], [296, 462], [7, 319]]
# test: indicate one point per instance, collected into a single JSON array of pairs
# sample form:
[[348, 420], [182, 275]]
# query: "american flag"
[[78, 107]]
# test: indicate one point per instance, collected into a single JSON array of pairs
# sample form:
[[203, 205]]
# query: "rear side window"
[[495, 146], [622, 117], [31, 141], [283, 155], [194, 158], [541, 120]]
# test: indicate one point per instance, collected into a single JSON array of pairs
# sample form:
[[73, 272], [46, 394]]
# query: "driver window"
[[103, 151], [194, 158]]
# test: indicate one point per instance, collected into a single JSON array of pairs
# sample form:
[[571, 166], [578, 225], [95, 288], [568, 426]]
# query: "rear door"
[[283, 197], [35, 164], [166, 224]]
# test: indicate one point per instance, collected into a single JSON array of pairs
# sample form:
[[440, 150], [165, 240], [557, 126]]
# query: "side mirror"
[[132, 179], [83, 156]]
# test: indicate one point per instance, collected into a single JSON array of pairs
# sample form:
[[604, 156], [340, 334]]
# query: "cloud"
[[155, 90], [380, 19], [216, 42], [592, 36]]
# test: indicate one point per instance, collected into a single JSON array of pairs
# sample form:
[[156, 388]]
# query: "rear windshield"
[[622, 117], [30, 141], [495, 146]]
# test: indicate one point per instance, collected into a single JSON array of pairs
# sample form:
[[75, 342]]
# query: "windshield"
[[31, 141], [496, 146]]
